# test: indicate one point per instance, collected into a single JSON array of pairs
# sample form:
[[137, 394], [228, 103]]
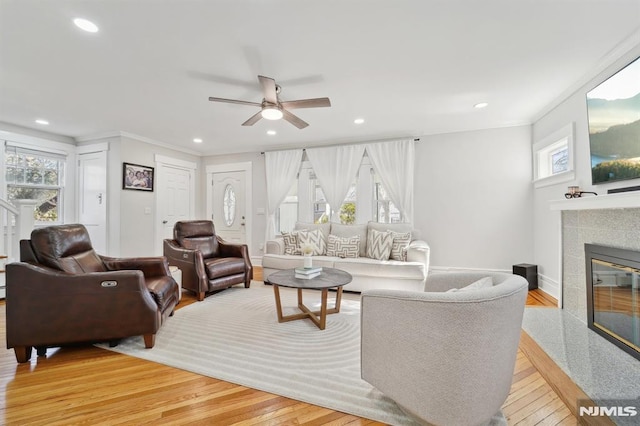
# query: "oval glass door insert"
[[229, 205]]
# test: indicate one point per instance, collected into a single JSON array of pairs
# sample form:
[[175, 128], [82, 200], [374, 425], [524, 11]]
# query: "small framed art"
[[137, 177]]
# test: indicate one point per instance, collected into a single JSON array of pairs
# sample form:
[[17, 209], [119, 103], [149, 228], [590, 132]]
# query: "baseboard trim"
[[549, 286], [445, 269]]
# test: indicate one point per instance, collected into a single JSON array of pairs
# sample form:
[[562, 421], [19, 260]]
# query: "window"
[[36, 175], [366, 200], [385, 210], [553, 158]]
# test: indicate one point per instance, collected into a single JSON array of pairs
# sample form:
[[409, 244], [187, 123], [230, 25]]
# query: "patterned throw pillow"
[[400, 245], [314, 239], [343, 246], [379, 244], [291, 242]]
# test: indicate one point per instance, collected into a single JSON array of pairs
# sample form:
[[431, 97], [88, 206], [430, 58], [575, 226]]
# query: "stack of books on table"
[[307, 273]]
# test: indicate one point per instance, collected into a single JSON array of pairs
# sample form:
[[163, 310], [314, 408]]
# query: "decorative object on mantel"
[[626, 189], [574, 192]]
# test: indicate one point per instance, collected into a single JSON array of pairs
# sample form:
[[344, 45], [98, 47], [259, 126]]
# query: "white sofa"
[[367, 273]]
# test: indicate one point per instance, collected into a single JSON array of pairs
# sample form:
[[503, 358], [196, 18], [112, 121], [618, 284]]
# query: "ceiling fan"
[[272, 108]]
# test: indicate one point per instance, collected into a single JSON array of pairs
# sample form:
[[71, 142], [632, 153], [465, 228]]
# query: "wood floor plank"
[[89, 385]]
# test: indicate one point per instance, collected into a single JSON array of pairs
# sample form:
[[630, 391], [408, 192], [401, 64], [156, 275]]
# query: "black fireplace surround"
[[613, 295]]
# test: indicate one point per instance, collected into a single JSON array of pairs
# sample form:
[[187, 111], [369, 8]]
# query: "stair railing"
[[16, 222]]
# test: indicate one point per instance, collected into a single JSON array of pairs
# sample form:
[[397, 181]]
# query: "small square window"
[[553, 158]]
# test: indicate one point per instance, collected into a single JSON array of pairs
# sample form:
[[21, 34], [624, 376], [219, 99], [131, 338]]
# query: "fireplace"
[[613, 295]]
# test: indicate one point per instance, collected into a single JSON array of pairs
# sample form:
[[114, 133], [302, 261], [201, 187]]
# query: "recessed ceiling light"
[[271, 132], [43, 122], [481, 105], [359, 120], [197, 140], [86, 25]]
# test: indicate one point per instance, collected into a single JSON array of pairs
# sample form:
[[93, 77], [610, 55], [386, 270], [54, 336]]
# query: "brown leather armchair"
[[208, 263], [63, 292]]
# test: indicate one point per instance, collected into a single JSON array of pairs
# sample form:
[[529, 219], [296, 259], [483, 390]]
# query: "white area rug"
[[235, 336]]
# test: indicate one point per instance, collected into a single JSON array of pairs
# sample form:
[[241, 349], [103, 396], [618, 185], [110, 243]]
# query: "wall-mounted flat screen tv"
[[614, 126]]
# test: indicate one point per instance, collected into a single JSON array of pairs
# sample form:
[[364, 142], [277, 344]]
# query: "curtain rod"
[[359, 143]]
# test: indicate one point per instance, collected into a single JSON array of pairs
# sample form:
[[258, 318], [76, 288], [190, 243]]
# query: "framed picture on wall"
[[137, 177]]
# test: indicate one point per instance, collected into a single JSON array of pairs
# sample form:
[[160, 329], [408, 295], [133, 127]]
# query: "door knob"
[[164, 222]]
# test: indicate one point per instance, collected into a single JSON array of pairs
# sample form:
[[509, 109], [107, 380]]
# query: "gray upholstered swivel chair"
[[446, 358]]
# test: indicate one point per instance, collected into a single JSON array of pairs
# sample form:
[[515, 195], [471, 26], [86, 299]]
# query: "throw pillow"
[[485, 282], [315, 239], [291, 242], [379, 244], [400, 245], [343, 246]]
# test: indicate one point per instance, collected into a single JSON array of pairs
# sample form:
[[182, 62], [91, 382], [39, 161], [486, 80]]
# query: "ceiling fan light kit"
[[271, 113], [272, 108]]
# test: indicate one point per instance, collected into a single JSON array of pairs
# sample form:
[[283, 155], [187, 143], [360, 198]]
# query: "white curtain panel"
[[394, 163], [335, 167], [281, 170]]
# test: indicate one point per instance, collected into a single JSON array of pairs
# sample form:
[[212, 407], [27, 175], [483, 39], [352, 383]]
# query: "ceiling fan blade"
[[269, 89], [253, 120], [234, 101], [307, 103], [296, 121]]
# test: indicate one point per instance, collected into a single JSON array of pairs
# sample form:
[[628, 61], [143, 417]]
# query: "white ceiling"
[[408, 67]]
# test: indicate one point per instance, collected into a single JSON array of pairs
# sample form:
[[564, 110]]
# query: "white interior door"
[[174, 198], [229, 206], [92, 193]]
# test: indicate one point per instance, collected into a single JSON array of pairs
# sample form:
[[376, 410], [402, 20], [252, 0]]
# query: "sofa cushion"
[[485, 282], [284, 261], [218, 267], [314, 239], [379, 244], [343, 246], [400, 245], [340, 230], [291, 242], [66, 248], [392, 269], [395, 227], [197, 235], [324, 227]]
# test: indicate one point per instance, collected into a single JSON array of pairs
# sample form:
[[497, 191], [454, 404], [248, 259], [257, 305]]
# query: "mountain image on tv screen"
[[614, 126]]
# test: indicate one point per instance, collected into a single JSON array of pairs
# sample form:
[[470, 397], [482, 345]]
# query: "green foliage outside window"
[[35, 177], [348, 213]]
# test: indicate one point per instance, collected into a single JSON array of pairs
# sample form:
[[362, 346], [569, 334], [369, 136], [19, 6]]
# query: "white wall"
[[137, 228], [473, 198], [547, 247]]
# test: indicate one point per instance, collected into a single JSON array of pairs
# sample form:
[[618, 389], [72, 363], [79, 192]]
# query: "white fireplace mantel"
[[623, 200]]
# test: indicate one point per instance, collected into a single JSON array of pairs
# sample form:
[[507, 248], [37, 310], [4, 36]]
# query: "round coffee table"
[[328, 278]]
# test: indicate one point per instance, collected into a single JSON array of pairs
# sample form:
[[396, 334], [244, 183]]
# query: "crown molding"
[[623, 49], [120, 134]]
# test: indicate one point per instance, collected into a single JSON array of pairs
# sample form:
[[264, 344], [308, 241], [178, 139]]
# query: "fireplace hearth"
[[613, 295]]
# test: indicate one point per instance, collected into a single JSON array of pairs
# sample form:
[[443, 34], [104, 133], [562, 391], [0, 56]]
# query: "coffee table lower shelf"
[[319, 318]]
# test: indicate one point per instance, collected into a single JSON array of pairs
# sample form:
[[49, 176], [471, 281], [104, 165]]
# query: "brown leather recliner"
[[208, 263], [63, 292]]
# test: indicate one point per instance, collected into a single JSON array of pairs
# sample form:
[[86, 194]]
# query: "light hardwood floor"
[[88, 385]]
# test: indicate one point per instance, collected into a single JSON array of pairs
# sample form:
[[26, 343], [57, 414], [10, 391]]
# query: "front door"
[[229, 215], [174, 198], [92, 201]]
